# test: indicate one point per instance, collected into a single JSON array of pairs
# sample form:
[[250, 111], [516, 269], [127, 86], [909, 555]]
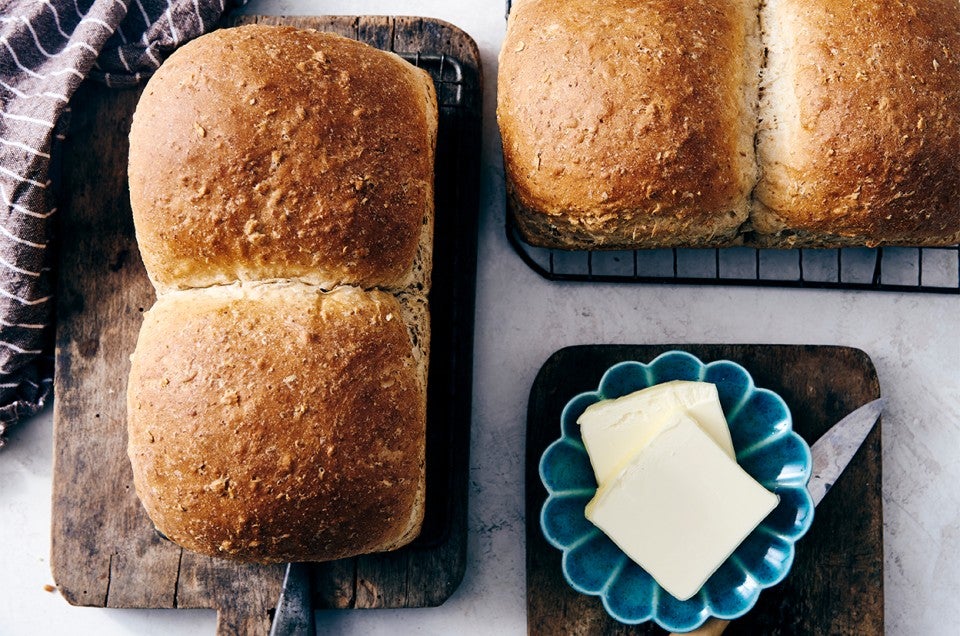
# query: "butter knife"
[[831, 454], [294, 615]]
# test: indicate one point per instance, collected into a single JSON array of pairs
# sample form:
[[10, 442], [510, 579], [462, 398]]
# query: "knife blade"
[[831, 455], [835, 448], [294, 614]]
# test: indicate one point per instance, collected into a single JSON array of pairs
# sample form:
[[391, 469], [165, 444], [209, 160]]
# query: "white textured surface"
[[914, 341]]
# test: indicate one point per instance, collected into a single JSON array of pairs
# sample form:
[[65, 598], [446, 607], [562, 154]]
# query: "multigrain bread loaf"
[[282, 190], [631, 124], [860, 123], [289, 154], [277, 422]]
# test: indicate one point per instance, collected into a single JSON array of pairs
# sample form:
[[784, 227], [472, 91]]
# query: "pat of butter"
[[680, 507], [614, 430]]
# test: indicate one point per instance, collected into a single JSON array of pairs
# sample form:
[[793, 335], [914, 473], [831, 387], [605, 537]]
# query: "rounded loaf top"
[[629, 123], [278, 423], [860, 123], [265, 152]]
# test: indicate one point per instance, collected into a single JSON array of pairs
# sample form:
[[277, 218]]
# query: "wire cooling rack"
[[895, 269], [447, 75]]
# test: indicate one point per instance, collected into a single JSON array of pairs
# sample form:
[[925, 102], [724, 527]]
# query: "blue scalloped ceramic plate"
[[766, 447]]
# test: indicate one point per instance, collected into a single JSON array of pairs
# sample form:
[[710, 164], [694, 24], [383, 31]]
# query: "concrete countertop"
[[914, 341]]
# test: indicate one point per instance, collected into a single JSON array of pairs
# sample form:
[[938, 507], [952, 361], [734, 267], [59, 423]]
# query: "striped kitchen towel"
[[47, 47]]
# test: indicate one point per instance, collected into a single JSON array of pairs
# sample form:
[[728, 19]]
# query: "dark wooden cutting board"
[[836, 583], [104, 550]]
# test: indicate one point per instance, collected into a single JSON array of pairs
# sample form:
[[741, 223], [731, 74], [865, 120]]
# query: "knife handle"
[[713, 627]]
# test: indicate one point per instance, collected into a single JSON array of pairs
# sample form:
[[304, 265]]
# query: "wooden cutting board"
[[836, 583], [104, 550]]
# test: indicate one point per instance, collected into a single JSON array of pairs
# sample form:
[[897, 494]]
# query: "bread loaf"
[[277, 422], [274, 152], [631, 124], [860, 124], [281, 182]]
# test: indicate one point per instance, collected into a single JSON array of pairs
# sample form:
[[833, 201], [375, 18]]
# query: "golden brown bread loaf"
[[276, 422], [282, 190], [860, 132], [631, 124], [289, 154]]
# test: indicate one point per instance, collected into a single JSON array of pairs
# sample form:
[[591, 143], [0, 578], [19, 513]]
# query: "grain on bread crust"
[[277, 422], [629, 124], [282, 189], [860, 124], [273, 152], [619, 120]]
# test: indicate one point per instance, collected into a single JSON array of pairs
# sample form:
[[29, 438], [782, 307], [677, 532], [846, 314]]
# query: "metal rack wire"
[[888, 269], [447, 75]]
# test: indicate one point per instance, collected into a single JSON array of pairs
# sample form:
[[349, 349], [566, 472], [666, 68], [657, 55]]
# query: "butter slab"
[[680, 507]]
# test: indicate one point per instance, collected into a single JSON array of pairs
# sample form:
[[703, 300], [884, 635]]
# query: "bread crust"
[[274, 422], [276, 412], [620, 133], [629, 124], [266, 152], [860, 124]]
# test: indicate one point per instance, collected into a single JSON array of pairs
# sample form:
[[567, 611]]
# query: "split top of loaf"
[[654, 123], [274, 152]]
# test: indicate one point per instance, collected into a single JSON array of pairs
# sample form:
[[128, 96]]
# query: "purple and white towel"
[[47, 48]]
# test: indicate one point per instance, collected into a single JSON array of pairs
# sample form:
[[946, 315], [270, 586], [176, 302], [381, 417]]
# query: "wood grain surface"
[[104, 550], [836, 583]]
